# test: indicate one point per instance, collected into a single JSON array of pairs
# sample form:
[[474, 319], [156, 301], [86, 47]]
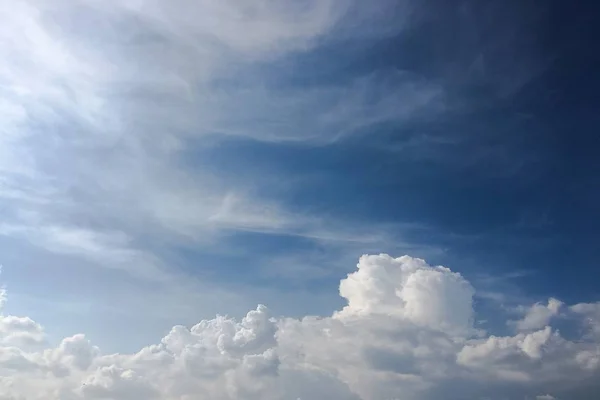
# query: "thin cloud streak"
[[95, 123]]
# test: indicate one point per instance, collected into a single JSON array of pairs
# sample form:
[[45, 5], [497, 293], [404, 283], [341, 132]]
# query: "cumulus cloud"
[[591, 314], [538, 315], [409, 288], [407, 332]]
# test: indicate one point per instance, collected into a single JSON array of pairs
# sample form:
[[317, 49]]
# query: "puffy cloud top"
[[409, 288]]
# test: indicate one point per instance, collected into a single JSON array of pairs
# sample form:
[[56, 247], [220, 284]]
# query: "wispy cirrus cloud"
[[100, 97]]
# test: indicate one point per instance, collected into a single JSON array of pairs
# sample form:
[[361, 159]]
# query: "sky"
[[313, 199]]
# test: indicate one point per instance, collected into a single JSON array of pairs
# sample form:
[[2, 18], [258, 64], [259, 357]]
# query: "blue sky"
[[161, 164]]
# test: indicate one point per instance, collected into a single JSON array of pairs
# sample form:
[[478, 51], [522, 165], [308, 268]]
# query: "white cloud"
[[409, 288], [591, 314], [406, 333], [20, 331], [538, 315]]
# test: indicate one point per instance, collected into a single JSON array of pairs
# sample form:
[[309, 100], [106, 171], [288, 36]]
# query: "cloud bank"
[[408, 331]]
